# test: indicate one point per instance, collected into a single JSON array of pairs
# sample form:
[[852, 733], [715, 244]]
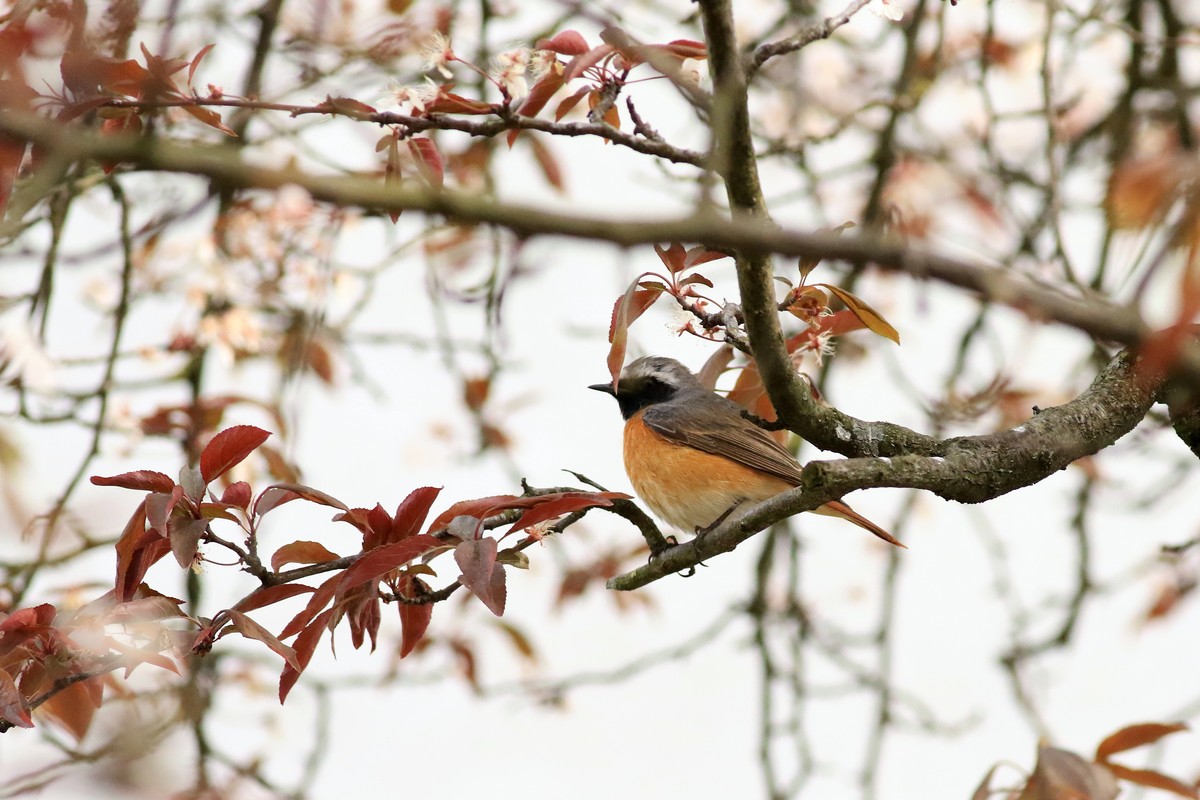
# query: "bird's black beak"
[[607, 388]]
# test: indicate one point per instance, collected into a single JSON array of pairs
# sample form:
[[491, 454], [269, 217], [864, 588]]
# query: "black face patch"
[[635, 396]]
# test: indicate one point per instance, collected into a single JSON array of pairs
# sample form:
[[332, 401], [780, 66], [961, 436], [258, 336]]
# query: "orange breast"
[[689, 488]]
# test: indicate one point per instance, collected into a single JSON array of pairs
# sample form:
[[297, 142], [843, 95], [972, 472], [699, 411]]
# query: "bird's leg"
[[702, 532], [712, 526], [668, 542]]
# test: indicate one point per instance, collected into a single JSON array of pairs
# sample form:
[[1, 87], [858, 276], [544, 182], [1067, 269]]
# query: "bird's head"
[[649, 380]]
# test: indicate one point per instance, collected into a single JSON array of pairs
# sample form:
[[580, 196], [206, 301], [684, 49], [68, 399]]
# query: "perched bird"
[[692, 456]]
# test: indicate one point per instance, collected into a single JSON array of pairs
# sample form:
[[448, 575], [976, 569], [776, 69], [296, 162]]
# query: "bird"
[[692, 456]]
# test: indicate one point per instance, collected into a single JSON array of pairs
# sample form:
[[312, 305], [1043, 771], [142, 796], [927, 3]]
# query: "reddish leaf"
[[277, 494], [132, 657], [211, 511], [12, 153], [210, 118], [450, 103], [715, 366], [567, 43], [237, 494], [365, 619], [414, 618], [519, 641], [477, 560], [564, 503], [568, 103], [684, 48], [305, 644], [674, 257], [269, 595], [137, 550], [547, 162], [869, 316], [146, 609], [12, 705], [252, 630], [412, 511], [1153, 779], [302, 552], [321, 597], [1062, 774], [471, 508], [696, 277], [379, 528], [700, 254], [539, 94], [628, 308], [347, 106], [34, 617], [428, 160], [1133, 736], [73, 707], [185, 540], [584, 61], [228, 449], [382, 560], [143, 480], [192, 67], [159, 506]]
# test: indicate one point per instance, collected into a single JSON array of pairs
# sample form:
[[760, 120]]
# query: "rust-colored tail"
[[837, 508]]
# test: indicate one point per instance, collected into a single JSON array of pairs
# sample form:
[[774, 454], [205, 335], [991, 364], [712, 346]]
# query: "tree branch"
[[1099, 318], [966, 469]]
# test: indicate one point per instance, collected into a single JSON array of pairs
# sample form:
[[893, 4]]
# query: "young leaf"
[[73, 707], [628, 308], [539, 94], [210, 118], [228, 449], [144, 480], [547, 162], [428, 160], [584, 61], [382, 560], [411, 513], [1133, 736], [674, 257], [236, 494], [414, 617], [566, 43], [305, 644], [477, 559], [869, 316], [270, 595], [196, 61], [450, 103], [12, 705], [1153, 779], [185, 539], [347, 106], [252, 630], [471, 508], [302, 552], [277, 494], [321, 597], [556, 505], [568, 103], [137, 550]]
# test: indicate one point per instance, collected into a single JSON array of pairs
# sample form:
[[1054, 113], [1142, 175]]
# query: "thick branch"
[[967, 469], [1094, 315]]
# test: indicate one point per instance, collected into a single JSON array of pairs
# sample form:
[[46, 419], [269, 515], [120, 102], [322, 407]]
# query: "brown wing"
[[715, 425]]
